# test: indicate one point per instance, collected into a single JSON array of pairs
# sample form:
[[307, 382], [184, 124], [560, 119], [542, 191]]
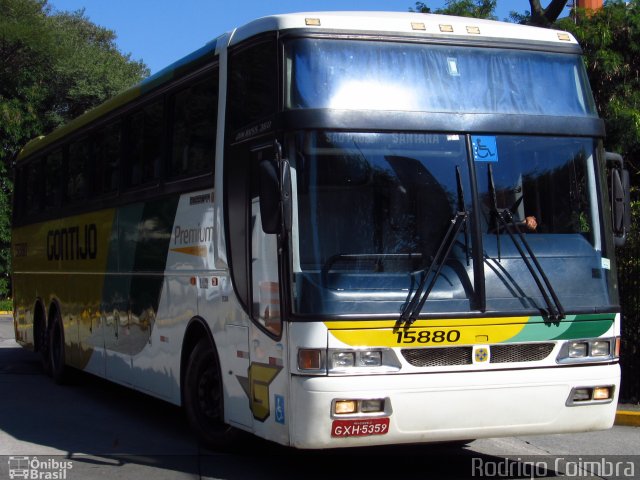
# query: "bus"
[[337, 229]]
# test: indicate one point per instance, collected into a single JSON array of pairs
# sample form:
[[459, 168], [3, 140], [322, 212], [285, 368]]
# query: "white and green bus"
[[334, 230]]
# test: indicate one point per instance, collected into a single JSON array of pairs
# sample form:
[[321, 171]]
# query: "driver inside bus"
[[530, 224]]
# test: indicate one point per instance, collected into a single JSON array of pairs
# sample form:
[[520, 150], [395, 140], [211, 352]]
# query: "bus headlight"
[[578, 349], [593, 350], [600, 349], [343, 360], [370, 358], [361, 361]]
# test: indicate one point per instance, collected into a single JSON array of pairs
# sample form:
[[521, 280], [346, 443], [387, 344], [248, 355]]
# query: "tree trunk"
[[544, 17]]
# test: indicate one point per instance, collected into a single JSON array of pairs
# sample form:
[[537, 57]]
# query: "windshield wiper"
[[504, 218], [412, 309], [414, 306]]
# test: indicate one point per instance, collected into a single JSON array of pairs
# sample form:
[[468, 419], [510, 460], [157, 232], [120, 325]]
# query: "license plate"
[[360, 427]]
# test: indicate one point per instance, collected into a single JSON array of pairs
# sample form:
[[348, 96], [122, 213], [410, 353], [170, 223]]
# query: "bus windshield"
[[369, 75], [372, 210]]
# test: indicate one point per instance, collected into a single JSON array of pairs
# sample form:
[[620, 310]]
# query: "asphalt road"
[[92, 429]]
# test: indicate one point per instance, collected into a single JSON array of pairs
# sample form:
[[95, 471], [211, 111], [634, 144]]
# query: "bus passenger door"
[[269, 384], [265, 283]]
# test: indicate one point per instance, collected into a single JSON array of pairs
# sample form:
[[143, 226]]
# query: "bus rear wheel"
[[42, 341], [203, 398]]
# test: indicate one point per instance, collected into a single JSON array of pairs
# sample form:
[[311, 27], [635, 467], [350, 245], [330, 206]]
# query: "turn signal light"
[[309, 359]]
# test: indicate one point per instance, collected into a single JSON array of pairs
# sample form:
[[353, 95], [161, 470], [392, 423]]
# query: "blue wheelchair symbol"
[[279, 401], [485, 148]]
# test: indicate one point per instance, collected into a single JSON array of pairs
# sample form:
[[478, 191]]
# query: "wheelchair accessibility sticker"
[[485, 148], [279, 408]]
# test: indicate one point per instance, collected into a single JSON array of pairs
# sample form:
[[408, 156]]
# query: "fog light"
[[342, 407], [600, 349], [602, 393], [581, 395], [309, 359], [370, 406], [343, 359], [578, 349], [370, 359]]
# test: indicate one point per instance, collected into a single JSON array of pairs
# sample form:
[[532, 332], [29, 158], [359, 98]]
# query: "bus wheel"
[[203, 397], [56, 350], [42, 340]]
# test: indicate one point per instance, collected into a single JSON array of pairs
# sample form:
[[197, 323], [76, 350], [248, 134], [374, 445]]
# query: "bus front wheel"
[[203, 397]]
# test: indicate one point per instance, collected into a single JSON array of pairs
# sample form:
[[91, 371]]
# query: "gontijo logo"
[[35, 469], [73, 243]]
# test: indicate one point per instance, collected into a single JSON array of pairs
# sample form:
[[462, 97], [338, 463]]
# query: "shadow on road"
[[110, 431]]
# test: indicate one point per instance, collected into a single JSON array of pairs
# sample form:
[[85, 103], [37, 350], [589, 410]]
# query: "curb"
[[6, 312], [628, 418]]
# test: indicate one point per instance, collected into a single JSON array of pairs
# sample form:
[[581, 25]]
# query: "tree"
[[538, 15], [544, 17], [610, 39], [53, 67], [463, 8]]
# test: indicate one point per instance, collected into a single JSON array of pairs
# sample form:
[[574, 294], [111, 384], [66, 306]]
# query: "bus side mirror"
[[275, 196], [620, 199]]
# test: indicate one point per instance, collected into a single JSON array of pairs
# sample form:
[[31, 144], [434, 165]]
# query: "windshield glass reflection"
[[372, 211]]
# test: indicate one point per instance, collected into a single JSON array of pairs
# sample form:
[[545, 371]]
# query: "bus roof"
[[402, 23], [385, 23]]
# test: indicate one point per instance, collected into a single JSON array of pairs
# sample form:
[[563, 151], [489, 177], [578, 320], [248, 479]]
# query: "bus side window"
[[33, 187], [145, 144], [107, 156], [194, 128], [253, 85], [78, 171], [53, 180]]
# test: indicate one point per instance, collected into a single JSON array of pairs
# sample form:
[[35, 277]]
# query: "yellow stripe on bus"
[[427, 333], [443, 322]]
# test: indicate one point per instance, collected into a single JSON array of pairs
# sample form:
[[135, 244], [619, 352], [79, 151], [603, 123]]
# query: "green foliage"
[[6, 305], [462, 8], [54, 66], [628, 259], [610, 38]]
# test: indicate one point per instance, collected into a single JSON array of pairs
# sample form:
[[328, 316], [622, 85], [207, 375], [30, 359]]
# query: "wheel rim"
[[208, 395]]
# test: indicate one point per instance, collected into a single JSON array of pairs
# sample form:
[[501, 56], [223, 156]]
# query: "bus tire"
[[57, 350], [203, 398], [41, 339]]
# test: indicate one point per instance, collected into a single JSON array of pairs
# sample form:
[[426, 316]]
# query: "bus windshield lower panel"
[[372, 210]]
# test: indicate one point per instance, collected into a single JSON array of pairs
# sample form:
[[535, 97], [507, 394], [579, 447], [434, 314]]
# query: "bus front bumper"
[[441, 407]]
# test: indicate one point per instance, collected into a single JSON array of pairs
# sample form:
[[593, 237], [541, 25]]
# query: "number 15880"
[[428, 336]]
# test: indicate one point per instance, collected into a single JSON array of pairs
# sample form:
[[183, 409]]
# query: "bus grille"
[[449, 356], [529, 352], [438, 357]]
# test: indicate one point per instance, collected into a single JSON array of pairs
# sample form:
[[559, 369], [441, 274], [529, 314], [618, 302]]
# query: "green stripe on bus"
[[573, 326]]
